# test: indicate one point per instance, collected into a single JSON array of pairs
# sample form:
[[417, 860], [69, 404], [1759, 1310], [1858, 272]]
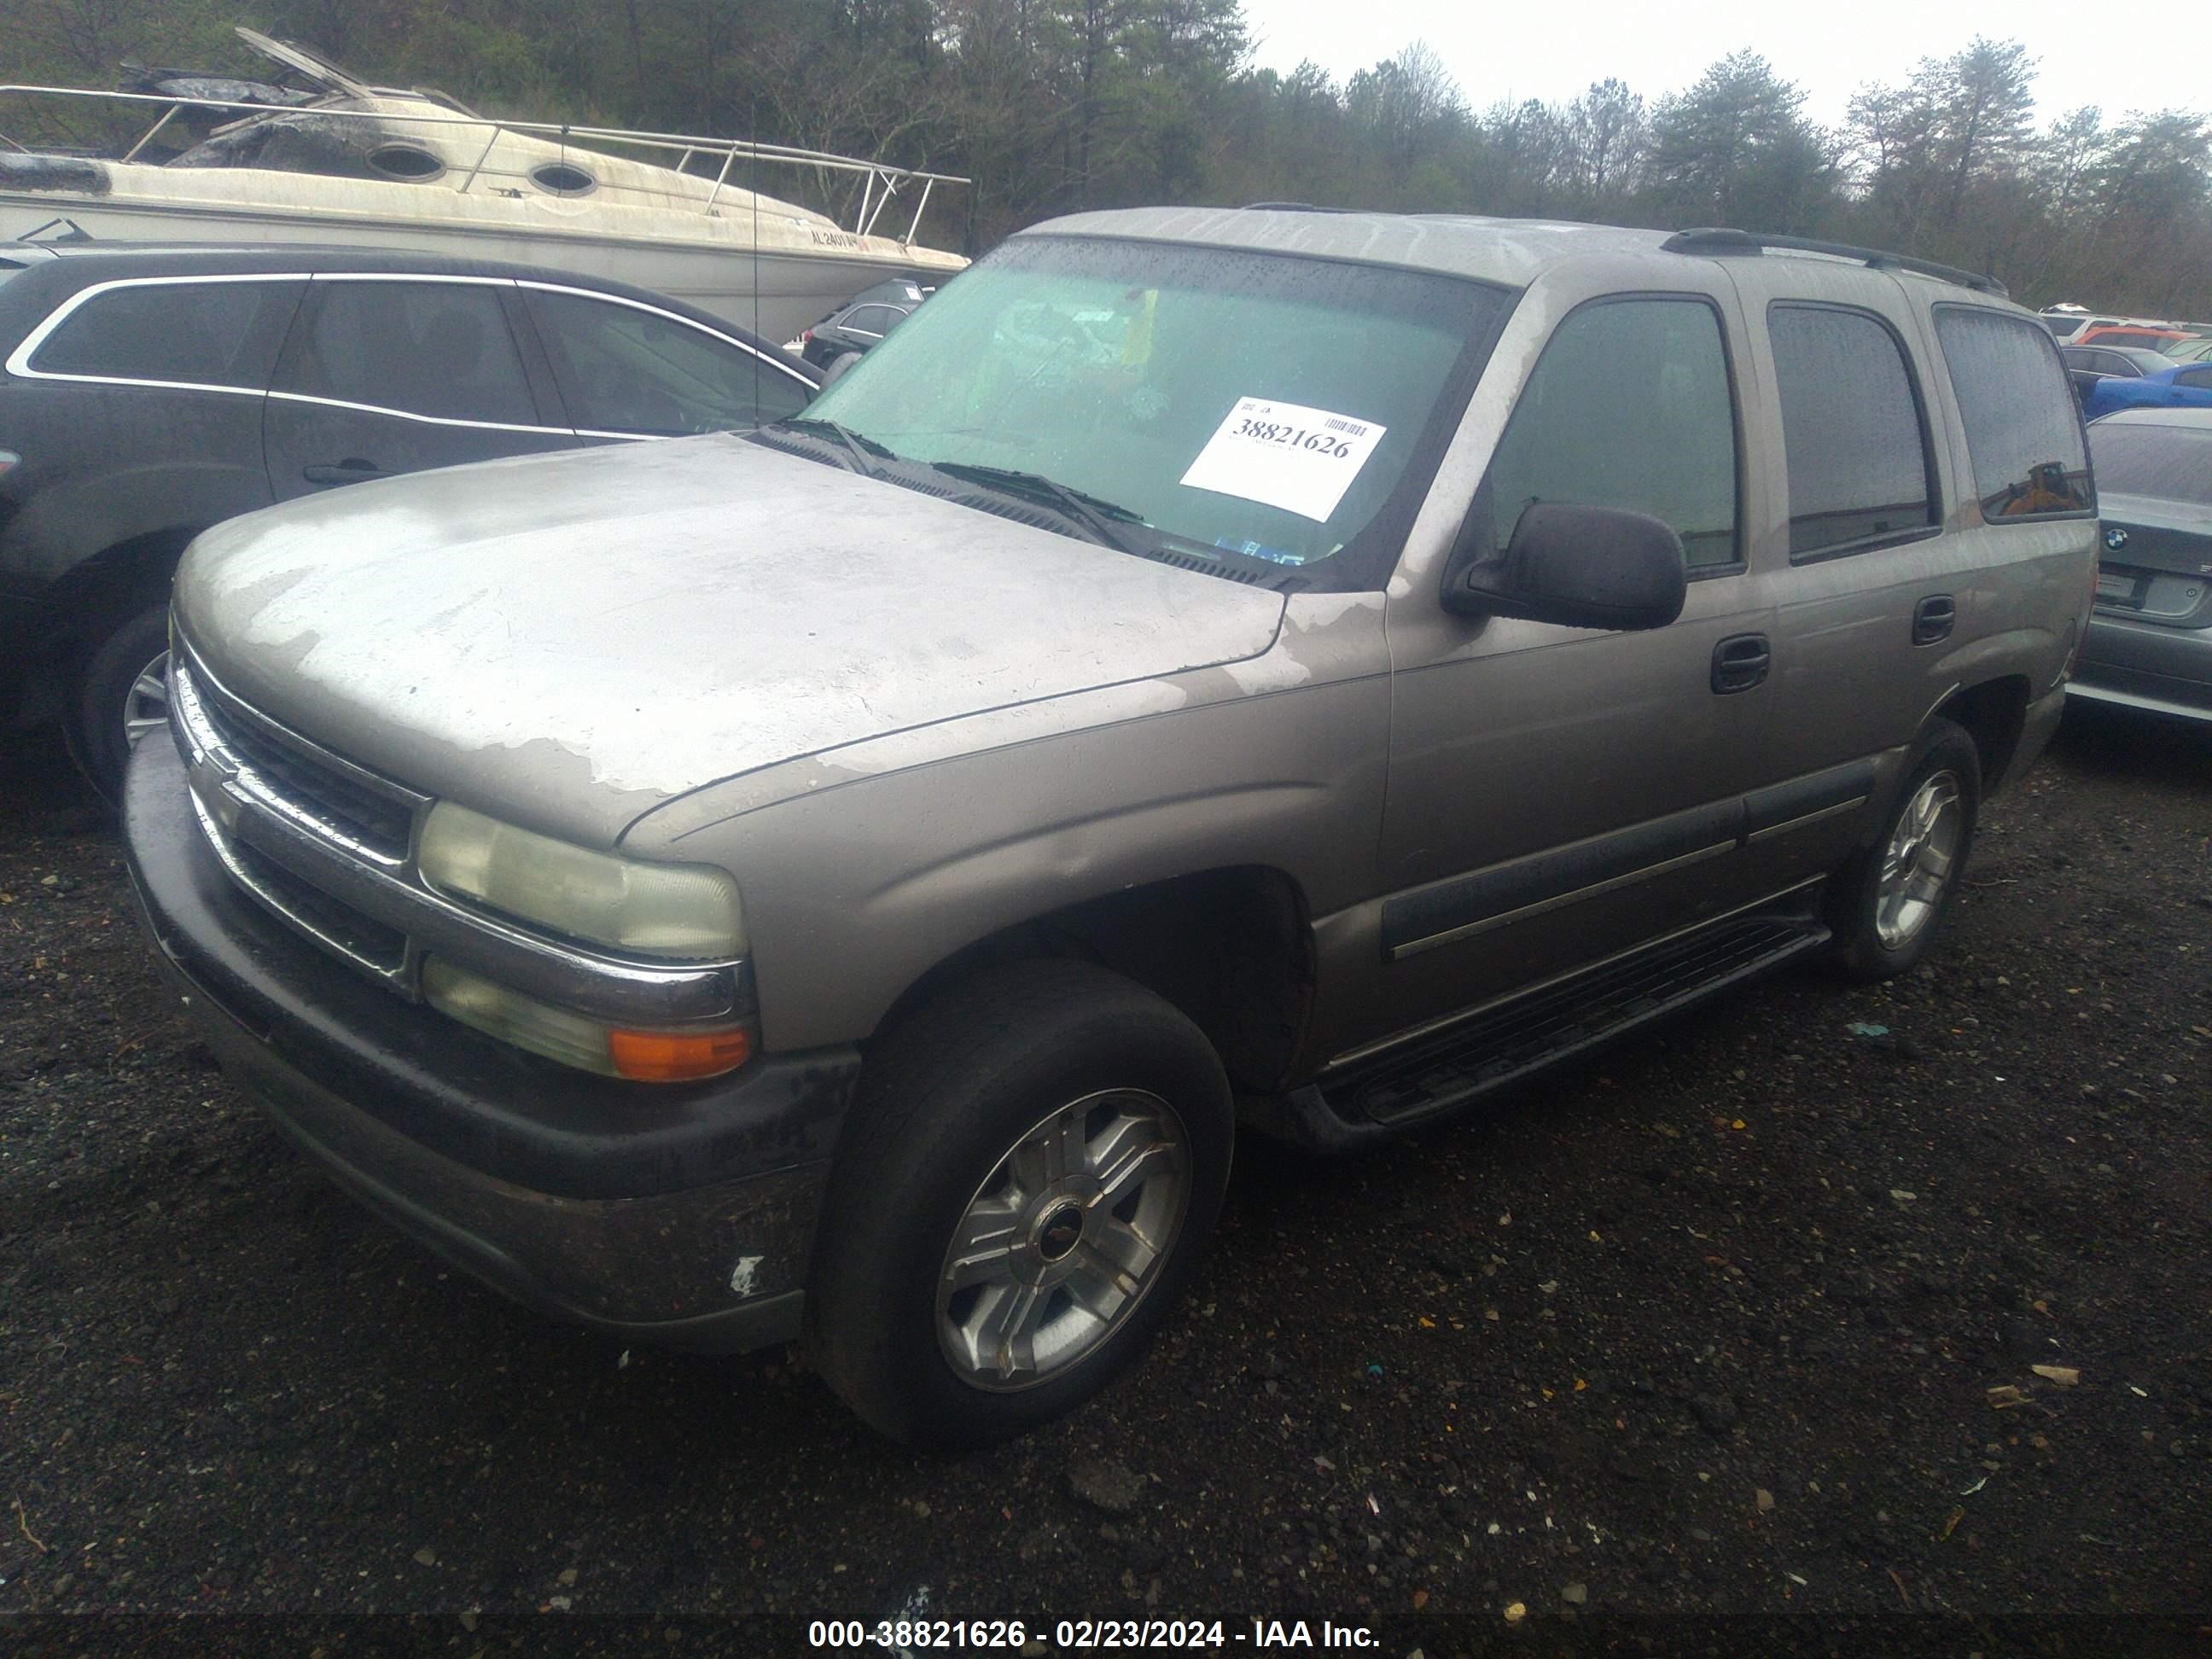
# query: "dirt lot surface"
[[1743, 1318]]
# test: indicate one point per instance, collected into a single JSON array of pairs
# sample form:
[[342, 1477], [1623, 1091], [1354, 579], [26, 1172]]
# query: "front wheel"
[[122, 697], [1031, 1172], [1887, 904]]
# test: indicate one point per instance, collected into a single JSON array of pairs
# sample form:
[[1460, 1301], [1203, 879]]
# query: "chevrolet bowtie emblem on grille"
[[2116, 538]]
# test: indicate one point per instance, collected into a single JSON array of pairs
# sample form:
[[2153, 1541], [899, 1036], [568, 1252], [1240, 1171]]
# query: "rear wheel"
[[1034, 1164], [122, 697], [1888, 903]]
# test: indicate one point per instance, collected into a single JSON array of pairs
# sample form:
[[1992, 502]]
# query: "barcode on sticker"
[[1357, 429]]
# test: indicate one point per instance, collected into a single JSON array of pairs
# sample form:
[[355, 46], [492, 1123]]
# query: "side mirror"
[[1580, 567]]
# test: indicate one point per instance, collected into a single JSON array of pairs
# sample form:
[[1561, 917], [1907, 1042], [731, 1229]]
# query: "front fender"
[[855, 890], [68, 522]]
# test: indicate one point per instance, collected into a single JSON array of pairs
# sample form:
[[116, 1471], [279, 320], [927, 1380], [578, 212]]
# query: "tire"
[[954, 1128], [117, 698], [1887, 904]]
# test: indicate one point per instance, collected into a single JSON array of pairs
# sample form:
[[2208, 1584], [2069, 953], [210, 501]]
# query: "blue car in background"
[[2183, 386]]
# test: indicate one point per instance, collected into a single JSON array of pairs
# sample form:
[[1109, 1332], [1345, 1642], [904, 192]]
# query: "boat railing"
[[733, 161]]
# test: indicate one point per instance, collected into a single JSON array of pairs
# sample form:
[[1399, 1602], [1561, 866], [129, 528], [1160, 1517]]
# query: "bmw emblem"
[[2116, 538]]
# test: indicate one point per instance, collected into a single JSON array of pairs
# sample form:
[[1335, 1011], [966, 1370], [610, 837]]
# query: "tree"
[[1605, 140], [1736, 150], [1959, 123], [1409, 105]]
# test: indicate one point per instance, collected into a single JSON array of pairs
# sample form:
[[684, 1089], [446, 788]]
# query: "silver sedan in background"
[[2149, 642]]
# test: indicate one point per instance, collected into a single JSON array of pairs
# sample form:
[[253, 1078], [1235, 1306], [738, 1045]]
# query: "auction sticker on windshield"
[[1284, 455]]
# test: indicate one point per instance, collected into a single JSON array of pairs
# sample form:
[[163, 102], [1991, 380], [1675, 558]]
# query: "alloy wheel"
[[1918, 864], [1063, 1239], [146, 705]]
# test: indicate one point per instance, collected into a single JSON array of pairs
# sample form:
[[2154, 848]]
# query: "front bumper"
[[681, 1215]]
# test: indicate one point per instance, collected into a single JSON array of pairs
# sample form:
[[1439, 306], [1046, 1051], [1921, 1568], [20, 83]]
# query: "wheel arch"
[[1231, 948], [125, 575], [89, 600], [1994, 713]]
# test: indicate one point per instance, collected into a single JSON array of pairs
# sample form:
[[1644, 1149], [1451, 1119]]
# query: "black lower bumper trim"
[[683, 1218]]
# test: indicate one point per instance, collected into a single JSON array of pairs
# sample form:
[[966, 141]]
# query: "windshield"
[[1261, 405], [2171, 463]]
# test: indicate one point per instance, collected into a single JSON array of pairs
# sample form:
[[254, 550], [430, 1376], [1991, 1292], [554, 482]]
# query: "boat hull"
[[788, 279]]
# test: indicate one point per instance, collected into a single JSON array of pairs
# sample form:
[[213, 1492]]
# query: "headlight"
[[687, 911], [641, 1056]]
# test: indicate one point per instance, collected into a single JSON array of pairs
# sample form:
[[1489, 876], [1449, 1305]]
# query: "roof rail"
[[1716, 240], [1289, 207]]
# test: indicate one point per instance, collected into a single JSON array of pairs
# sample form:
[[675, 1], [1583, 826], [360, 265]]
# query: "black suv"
[[150, 392], [862, 320]]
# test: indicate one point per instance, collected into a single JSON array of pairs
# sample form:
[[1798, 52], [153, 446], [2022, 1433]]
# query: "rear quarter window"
[[2023, 430], [194, 333]]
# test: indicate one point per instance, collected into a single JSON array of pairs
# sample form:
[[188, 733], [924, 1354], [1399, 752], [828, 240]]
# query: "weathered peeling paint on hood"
[[570, 640]]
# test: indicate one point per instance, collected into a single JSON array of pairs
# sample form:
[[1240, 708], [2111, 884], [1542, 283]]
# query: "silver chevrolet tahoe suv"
[[1212, 672]]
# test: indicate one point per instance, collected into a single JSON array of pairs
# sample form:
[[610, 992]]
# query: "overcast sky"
[[1551, 48]]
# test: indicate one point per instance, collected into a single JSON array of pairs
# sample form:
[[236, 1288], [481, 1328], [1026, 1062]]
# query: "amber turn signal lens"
[[676, 1056]]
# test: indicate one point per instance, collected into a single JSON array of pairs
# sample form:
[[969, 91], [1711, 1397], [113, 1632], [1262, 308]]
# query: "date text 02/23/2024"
[[1084, 1635]]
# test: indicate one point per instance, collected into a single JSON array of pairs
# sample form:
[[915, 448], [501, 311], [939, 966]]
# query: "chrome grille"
[[328, 847], [239, 761], [354, 934], [374, 820]]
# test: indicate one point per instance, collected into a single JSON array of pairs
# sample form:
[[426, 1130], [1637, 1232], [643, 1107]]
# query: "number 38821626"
[[1294, 437]]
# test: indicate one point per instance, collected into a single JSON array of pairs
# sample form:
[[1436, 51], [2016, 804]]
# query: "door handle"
[[352, 469], [1741, 662], [1932, 619]]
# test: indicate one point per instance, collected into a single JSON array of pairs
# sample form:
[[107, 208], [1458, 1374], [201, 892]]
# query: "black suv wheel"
[[122, 695]]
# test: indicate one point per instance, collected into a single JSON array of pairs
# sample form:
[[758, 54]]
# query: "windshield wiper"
[[1094, 513], [856, 447]]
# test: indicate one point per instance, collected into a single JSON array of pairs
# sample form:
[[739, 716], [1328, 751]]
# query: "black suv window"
[[872, 320], [436, 348], [1850, 427], [2023, 428], [624, 368], [192, 333], [1629, 406]]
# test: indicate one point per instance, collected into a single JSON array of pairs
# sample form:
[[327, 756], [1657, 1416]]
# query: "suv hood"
[[570, 640]]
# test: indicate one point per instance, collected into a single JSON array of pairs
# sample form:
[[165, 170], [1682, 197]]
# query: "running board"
[[1433, 1076]]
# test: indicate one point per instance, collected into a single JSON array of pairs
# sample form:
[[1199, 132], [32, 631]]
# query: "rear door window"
[[1851, 427], [441, 349], [2023, 428], [627, 369], [1629, 406], [180, 333]]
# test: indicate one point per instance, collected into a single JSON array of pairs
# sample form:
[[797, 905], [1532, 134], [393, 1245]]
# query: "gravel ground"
[[1742, 1318]]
